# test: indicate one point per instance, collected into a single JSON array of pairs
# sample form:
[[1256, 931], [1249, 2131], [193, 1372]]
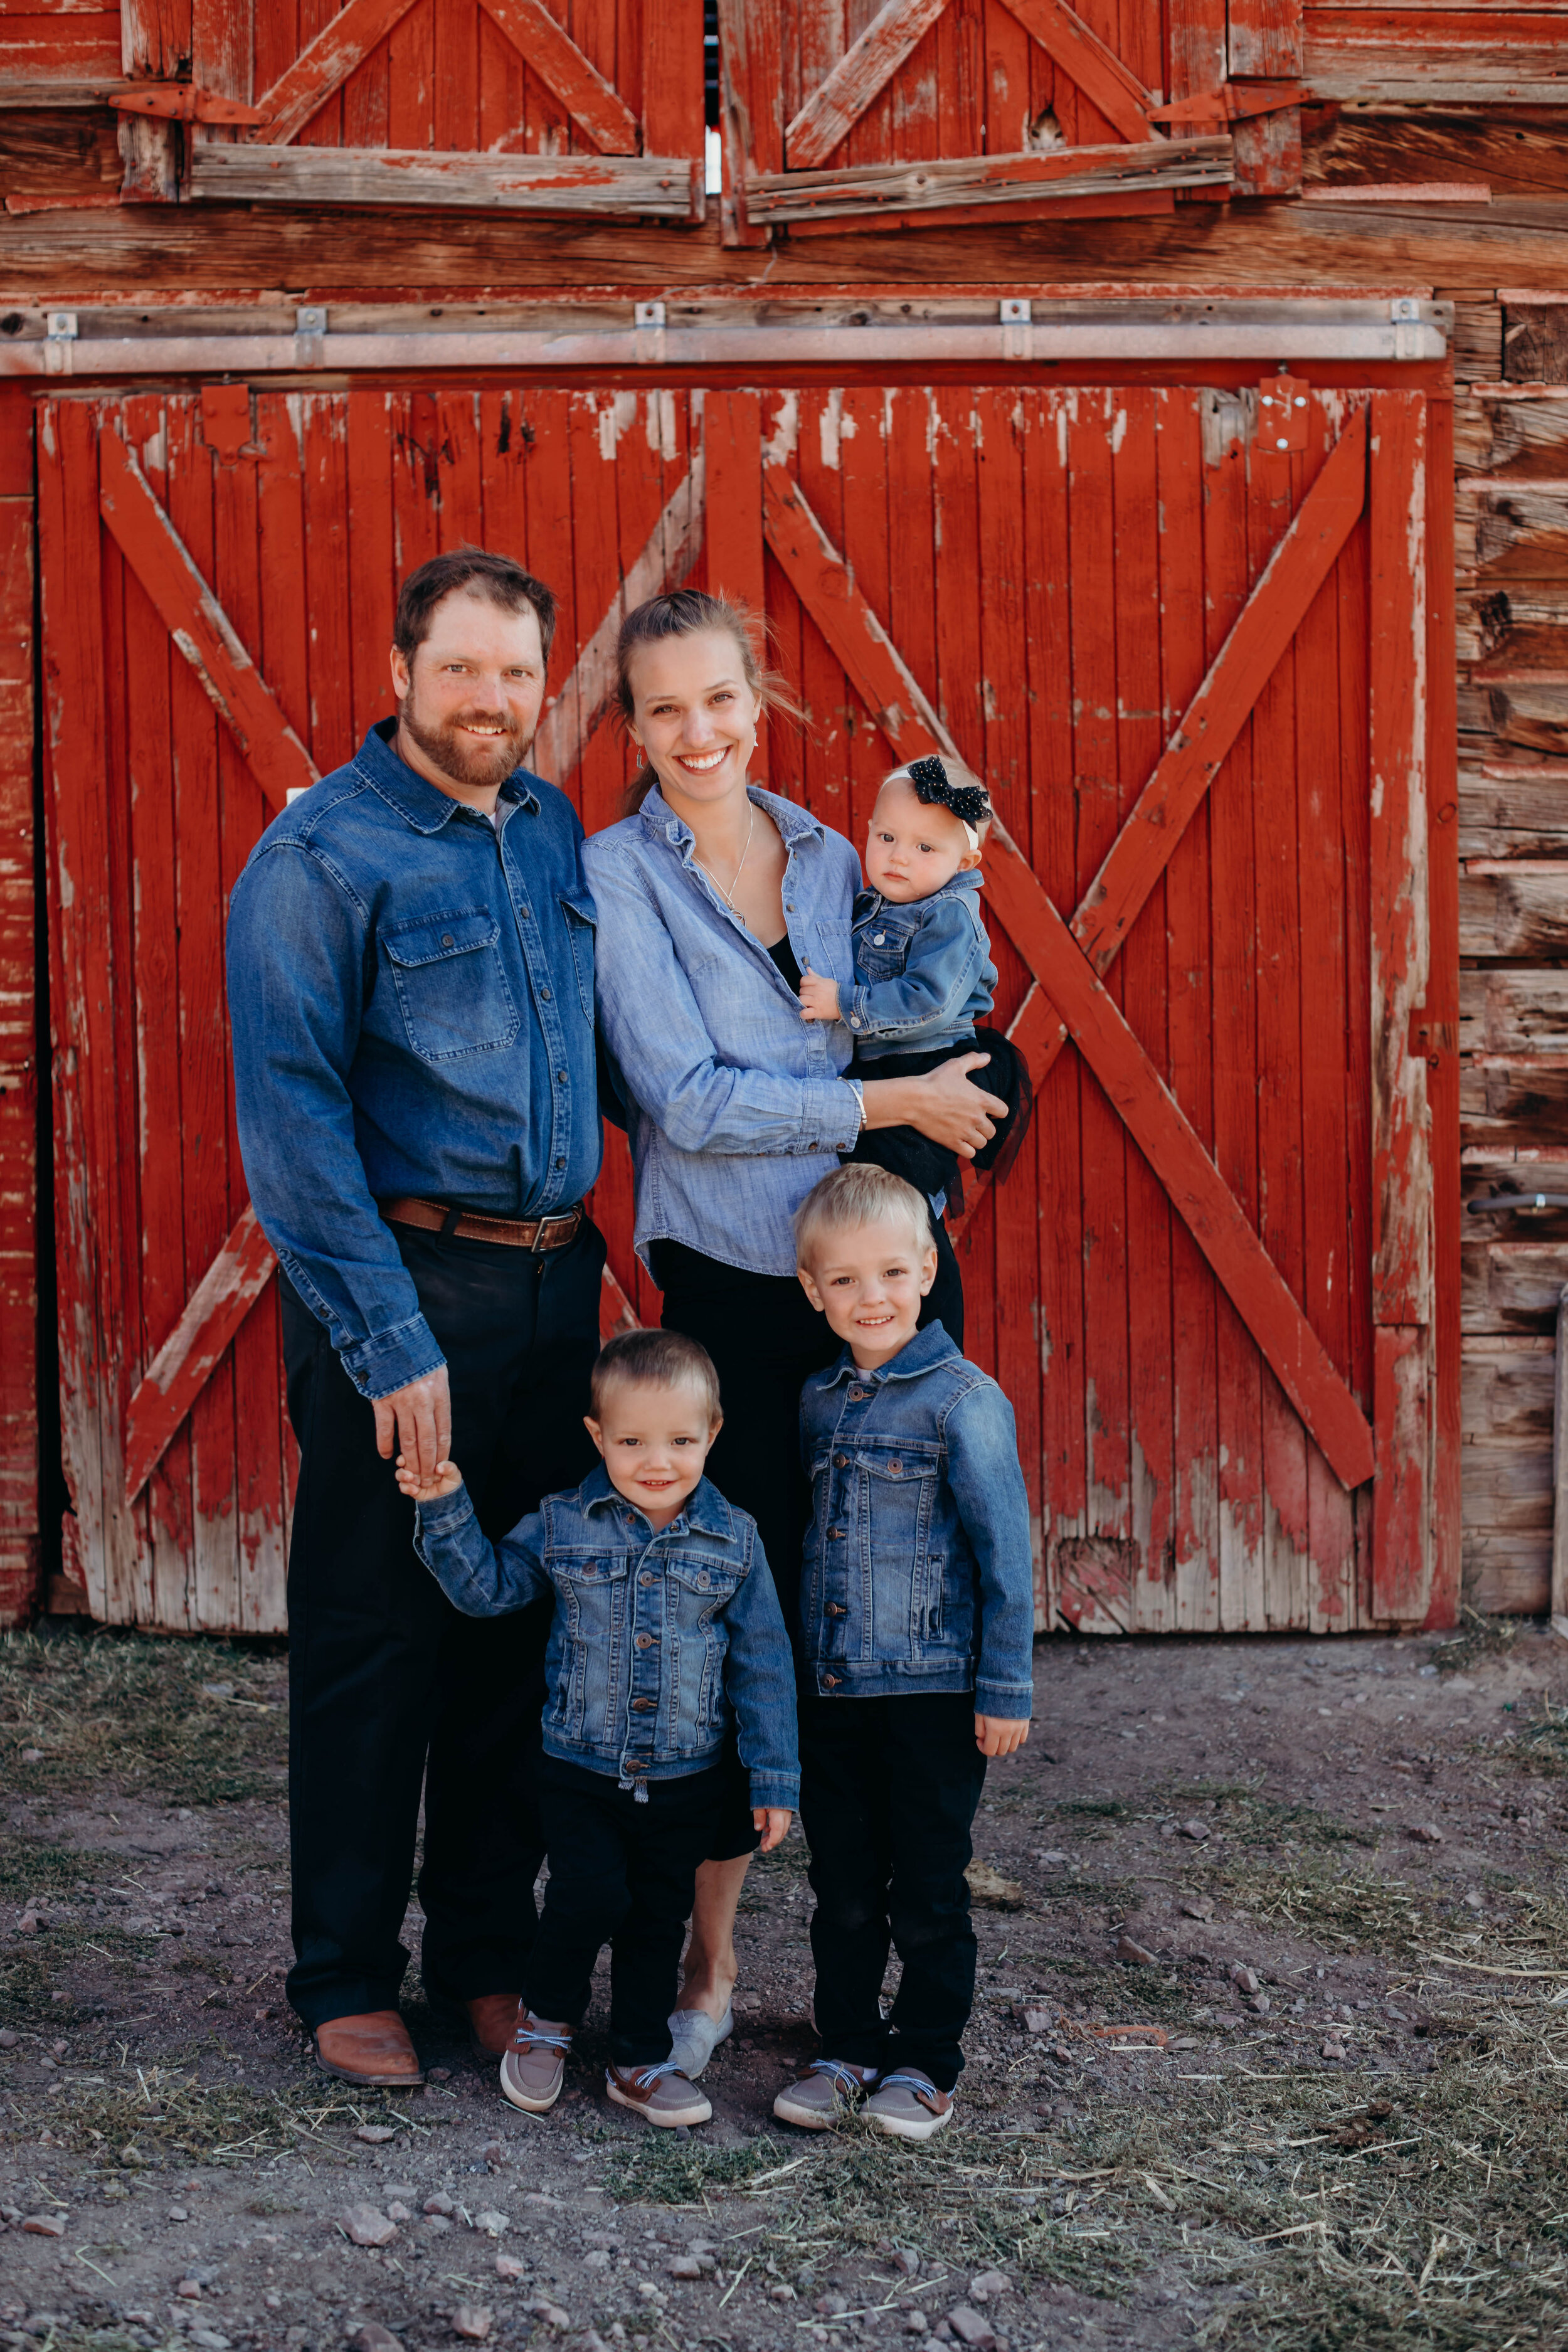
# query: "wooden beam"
[[860, 76], [1110, 87], [783, 198], [325, 64], [600, 112], [608, 186], [188, 1357], [1401, 1503], [198, 624], [732, 530]]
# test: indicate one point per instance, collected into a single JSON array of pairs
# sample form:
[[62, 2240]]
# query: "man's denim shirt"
[[918, 1570], [923, 974], [736, 1106], [657, 1641], [411, 992]]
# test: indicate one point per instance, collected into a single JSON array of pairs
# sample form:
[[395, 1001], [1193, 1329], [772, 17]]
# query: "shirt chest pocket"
[[580, 916], [881, 950], [451, 984]]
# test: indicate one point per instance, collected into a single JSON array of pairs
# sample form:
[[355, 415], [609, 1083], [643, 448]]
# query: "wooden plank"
[[19, 1532], [979, 182], [600, 112], [1401, 1521], [1402, 1255], [1559, 1591], [733, 513], [199, 624], [752, 119], [1110, 87], [1109, 203], [862, 73], [324, 65], [1442, 1008], [658, 186], [180, 1371], [1038, 931]]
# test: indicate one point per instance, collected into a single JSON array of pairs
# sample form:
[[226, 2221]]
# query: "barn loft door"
[[1002, 109], [593, 107], [1190, 667]]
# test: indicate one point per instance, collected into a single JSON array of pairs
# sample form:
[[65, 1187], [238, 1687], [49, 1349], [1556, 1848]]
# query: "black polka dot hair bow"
[[968, 803]]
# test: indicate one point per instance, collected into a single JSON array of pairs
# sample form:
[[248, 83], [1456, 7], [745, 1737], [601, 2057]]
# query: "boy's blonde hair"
[[657, 1359], [858, 1195]]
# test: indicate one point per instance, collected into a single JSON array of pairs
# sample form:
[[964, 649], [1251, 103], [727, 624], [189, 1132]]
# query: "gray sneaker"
[[695, 2037], [825, 2093], [534, 2067], [908, 2105], [660, 2094]]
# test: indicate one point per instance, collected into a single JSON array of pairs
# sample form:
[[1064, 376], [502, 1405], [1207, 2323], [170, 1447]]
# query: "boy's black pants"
[[888, 1796], [621, 1873], [390, 1688]]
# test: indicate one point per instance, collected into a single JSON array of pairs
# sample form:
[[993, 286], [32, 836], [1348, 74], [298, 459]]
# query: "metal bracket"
[[1016, 313], [310, 331], [648, 338], [1282, 414], [185, 101], [59, 335]]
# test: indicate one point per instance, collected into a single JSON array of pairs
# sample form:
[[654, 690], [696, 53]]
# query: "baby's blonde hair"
[[858, 1195], [957, 773]]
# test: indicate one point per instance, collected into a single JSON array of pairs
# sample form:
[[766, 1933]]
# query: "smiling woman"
[[715, 900]]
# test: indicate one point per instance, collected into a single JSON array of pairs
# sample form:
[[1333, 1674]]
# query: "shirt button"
[[880, 940], [835, 1535], [562, 1076], [856, 1396], [835, 1608], [853, 1020], [447, 939], [524, 913], [644, 1577], [561, 1163], [841, 1462], [545, 993], [645, 1641], [830, 1682], [644, 1706]]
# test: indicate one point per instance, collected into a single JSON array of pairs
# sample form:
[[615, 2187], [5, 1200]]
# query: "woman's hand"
[[942, 1105], [999, 1734], [773, 1821]]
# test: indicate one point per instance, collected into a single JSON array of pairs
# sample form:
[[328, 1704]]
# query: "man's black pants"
[[389, 1686], [621, 1873], [889, 1791]]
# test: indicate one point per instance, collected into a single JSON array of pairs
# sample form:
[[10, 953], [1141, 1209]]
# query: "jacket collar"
[[706, 1512], [966, 885], [422, 806], [925, 1351], [794, 824]]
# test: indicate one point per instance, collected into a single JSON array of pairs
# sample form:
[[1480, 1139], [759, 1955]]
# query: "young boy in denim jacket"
[[666, 1626], [917, 1621]]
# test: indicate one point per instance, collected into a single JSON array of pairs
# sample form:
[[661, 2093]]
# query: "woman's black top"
[[784, 956]]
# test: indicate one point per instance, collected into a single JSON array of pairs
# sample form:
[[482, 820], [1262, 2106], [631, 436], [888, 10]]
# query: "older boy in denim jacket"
[[917, 1620], [667, 1629]]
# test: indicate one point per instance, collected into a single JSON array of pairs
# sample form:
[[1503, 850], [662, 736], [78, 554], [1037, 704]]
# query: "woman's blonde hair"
[[690, 612]]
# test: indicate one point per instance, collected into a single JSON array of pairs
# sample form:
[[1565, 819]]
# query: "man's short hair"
[[660, 1359], [495, 577], [856, 1195]]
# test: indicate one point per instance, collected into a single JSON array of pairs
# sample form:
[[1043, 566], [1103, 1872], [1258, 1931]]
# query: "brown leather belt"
[[517, 1233]]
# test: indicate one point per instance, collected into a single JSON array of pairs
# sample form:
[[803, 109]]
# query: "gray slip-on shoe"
[[534, 2066], [694, 2038], [908, 2104], [660, 2094], [827, 2092]]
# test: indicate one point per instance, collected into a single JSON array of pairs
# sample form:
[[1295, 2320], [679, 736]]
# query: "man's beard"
[[472, 765]]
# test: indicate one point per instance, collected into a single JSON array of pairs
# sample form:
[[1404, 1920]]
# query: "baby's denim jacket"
[[923, 974], [657, 1642], [918, 1570]]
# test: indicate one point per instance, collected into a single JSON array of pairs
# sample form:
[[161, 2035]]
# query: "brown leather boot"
[[492, 2021], [374, 2051]]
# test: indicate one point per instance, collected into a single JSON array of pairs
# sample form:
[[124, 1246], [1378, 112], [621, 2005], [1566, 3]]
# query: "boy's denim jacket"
[[923, 974], [918, 1570], [658, 1640]]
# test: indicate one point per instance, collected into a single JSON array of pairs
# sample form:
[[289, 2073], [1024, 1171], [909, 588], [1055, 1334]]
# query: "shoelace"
[[645, 2077], [533, 2037], [844, 2079], [925, 2092]]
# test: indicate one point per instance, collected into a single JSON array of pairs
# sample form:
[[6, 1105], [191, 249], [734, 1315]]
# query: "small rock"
[[494, 2152], [398, 2211], [1036, 2021], [436, 2223], [1333, 2050], [27, 1925], [32, 1755], [45, 2225], [178, 2213], [970, 2328], [592, 2341], [1427, 1832], [440, 2203], [688, 2266], [9, 2038], [1050, 1861], [1260, 2003], [781, 2292], [269, 2302], [472, 2321], [988, 1887], [223, 1690], [830, 2305], [363, 2225], [599, 2260], [208, 2340], [988, 2284], [550, 2313], [905, 2260], [1474, 1901], [377, 2132], [538, 2196], [513, 2267], [374, 2337], [491, 2225], [437, 2073], [1197, 1831], [189, 2290], [1197, 1907], [1245, 1979], [915, 2322], [1129, 1948]]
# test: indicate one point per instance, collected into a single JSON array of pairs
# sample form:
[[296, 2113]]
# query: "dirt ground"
[[1269, 2049]]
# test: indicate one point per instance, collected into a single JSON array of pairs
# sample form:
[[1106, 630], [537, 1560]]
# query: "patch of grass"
[[169, 2110], [30, 1866], [1253, 1819], [25, 1991], [131, 1710], [1481, 1637], [656, 2169], [1540, 1745]]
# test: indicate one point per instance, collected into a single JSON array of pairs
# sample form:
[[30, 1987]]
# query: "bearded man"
[[411, 992]]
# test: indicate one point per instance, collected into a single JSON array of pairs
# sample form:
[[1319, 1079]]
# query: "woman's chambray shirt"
[[736, 1106]]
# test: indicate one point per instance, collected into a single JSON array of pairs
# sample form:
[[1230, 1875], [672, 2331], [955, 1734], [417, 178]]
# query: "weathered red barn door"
[[1208, 1283]]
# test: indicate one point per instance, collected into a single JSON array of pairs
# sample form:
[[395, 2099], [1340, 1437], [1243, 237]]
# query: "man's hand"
[[447, 1481], [415, 1422], [819, 998], [999, 1734], [773, 1821]]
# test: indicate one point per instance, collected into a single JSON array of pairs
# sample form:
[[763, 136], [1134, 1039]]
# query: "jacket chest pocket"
[[881, 951], [591, 1607], [899, 1488], [452, 985]]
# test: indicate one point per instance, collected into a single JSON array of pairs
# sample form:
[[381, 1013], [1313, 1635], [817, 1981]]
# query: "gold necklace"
[[728, 896]]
